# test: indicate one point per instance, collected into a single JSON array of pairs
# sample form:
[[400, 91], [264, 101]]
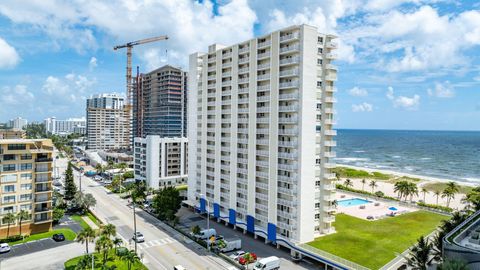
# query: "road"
[[163, 247], [49, 259]]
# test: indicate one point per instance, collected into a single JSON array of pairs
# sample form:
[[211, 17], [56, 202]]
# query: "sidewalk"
[[90, 223]]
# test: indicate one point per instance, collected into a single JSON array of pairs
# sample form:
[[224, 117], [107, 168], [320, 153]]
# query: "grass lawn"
[[437, 186], [120, 265], [374, 243], [94, 219], [80, 220], [69, 235]]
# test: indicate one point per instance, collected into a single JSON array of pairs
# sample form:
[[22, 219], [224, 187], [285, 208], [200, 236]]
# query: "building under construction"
[[159, 103]]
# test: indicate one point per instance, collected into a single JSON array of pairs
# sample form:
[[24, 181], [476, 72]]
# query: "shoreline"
[[423, 179]]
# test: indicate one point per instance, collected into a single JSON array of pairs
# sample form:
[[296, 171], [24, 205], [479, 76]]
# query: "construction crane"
[[129, 47]]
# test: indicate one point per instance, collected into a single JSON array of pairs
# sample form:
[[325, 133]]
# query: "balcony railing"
[[44, 159], [44, 189], [42, 169], [42, 199]]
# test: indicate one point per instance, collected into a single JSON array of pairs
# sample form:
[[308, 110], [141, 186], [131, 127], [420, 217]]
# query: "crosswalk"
[[157, 242]]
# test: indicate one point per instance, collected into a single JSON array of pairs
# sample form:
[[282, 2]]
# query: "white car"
[[4, 247], [237, 254], [97, 178], [138, 237]]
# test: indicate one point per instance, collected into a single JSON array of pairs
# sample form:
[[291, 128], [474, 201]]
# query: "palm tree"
[[363, 184], [424, 191], [86, 235], [122, 166], [9, 219], [348, 183], [108, 230], [400, 188], [419, 254], [373, 185], [453, 187], [437, 193], [99, 168], [103, 245], [449, 194], [412, 190], [117, 242], [130, 257], [110, 165], [21, 216]]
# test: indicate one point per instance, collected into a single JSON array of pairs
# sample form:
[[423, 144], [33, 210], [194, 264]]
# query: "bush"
[[434, 206], [12, 238], [379, 194]]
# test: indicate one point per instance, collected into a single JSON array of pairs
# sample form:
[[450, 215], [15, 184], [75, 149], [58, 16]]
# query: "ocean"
[[452, 155]]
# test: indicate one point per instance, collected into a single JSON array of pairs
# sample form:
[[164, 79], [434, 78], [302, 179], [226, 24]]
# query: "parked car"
[[269, 263], [58, 237], [4, 247], [138, 237], [97, 178], [237, 254], [231, 244], [107, 182], [206, 234], [243, 261]]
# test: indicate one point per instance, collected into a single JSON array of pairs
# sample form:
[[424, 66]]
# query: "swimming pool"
[[352, 202]]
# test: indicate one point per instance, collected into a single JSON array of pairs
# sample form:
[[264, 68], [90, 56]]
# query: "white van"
[[269, 263], [206, 234]]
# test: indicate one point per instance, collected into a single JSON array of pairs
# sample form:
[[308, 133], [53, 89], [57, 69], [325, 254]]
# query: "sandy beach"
[[388, 188]]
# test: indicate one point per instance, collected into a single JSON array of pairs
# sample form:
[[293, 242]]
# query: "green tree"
[[348, 183], [130, 257], [449, 194], [373, 185], [401, 188], [166, 203], [419, 254], [138, 192], [473, 199], [21, 216], [86, 236], [103, 245], [57, 214], [453, 265], [99, 168], [117, 242], [122, 166], [84, 201], [196, 229], [117, 183], [70, 187], [108, 230], [9, 218], [424, 191], [437, 194], [363, 184], [84, 263], [128, 175]]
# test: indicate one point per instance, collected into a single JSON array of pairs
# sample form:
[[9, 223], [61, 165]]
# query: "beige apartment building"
[[25, 178], [12, 134]]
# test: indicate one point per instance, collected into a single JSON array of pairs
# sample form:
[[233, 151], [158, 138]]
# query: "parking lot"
[[31, 247], [189, 219]]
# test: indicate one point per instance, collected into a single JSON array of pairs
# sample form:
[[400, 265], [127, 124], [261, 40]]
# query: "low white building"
[[161, 161], [65, 127]]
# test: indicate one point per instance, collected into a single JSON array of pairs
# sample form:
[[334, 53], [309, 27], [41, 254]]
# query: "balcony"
[[331, 45], [293, 48], [263, 55], [263, 77], [242, 140], [243, 120], [288, 72], [263, 66], [243, 70], [290, 60], [262, 142], [329, 110], [261, 88], [243, 60], [292, 108], [264, 109], [328, 198], [330, 89], [287, 155], [330, 66], [329, 122], [226, 93], [329, 165], [328, 219], [211, 94], [227, 55], [264, 44], [330, 143], [263, 131], [287, 167], [228, 64], [330, 100], [243, 50], [330, 154], [211, 77], [43, 189], [288, 37], [261, 196], [287, 143], [42, 179], [243, 100], [289, 203], [243, 80], [286, 215], [261, 185], [288, 96], [262, 174], [42, 220], [287, 191], [42, 209], [329, 187], [263, 120], [287, 120], [292, 84], [331, 77], [226, 83], [211, 68], [243, 110], [43, 159], [330, 176], [42, 169], [331, 56], [262, 163], [263, 153], [42, 199], [211, 59], [291, 131]]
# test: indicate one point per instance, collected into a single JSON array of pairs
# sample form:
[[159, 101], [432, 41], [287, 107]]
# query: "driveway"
[[36, 258], [189, 219], [31, 247]]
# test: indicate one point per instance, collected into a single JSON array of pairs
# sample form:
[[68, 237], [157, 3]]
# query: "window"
[[319, 84], [17, 146], [317, 205], [26, 186], [317, 216], [26, 207], [9, 167], [319, 62], [8, 157], [320, 50], [9, 209], [25, 166], [25, 156], [317, 183], [26, 176], [9, 188], [9, 199], [320, 39], [25, 197], [318, 161], [8, 178]]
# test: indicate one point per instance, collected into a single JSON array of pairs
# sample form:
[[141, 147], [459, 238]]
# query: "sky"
[[403, 64]]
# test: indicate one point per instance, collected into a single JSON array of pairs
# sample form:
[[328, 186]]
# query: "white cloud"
[[362, 107], [358, 92], [9, 57], [190, 25], [93, 63], [68, 90], [442, 90], [408, 103], [16, 95]]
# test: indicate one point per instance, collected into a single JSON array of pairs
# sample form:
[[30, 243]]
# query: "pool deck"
[[376, 209]]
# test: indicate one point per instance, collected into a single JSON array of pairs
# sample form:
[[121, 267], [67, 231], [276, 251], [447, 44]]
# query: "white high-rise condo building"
[[65, 127], [260, 117], [160, 161], [17, 123]]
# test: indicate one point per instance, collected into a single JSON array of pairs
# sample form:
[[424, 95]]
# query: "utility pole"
[[134, 225]]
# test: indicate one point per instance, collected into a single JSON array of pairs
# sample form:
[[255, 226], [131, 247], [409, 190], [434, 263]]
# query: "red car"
[[242, 260]]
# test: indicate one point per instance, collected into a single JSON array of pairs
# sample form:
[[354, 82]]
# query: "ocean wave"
[[359, 151], [425, 158], [351, 159], [471, 179], [396, 156]]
